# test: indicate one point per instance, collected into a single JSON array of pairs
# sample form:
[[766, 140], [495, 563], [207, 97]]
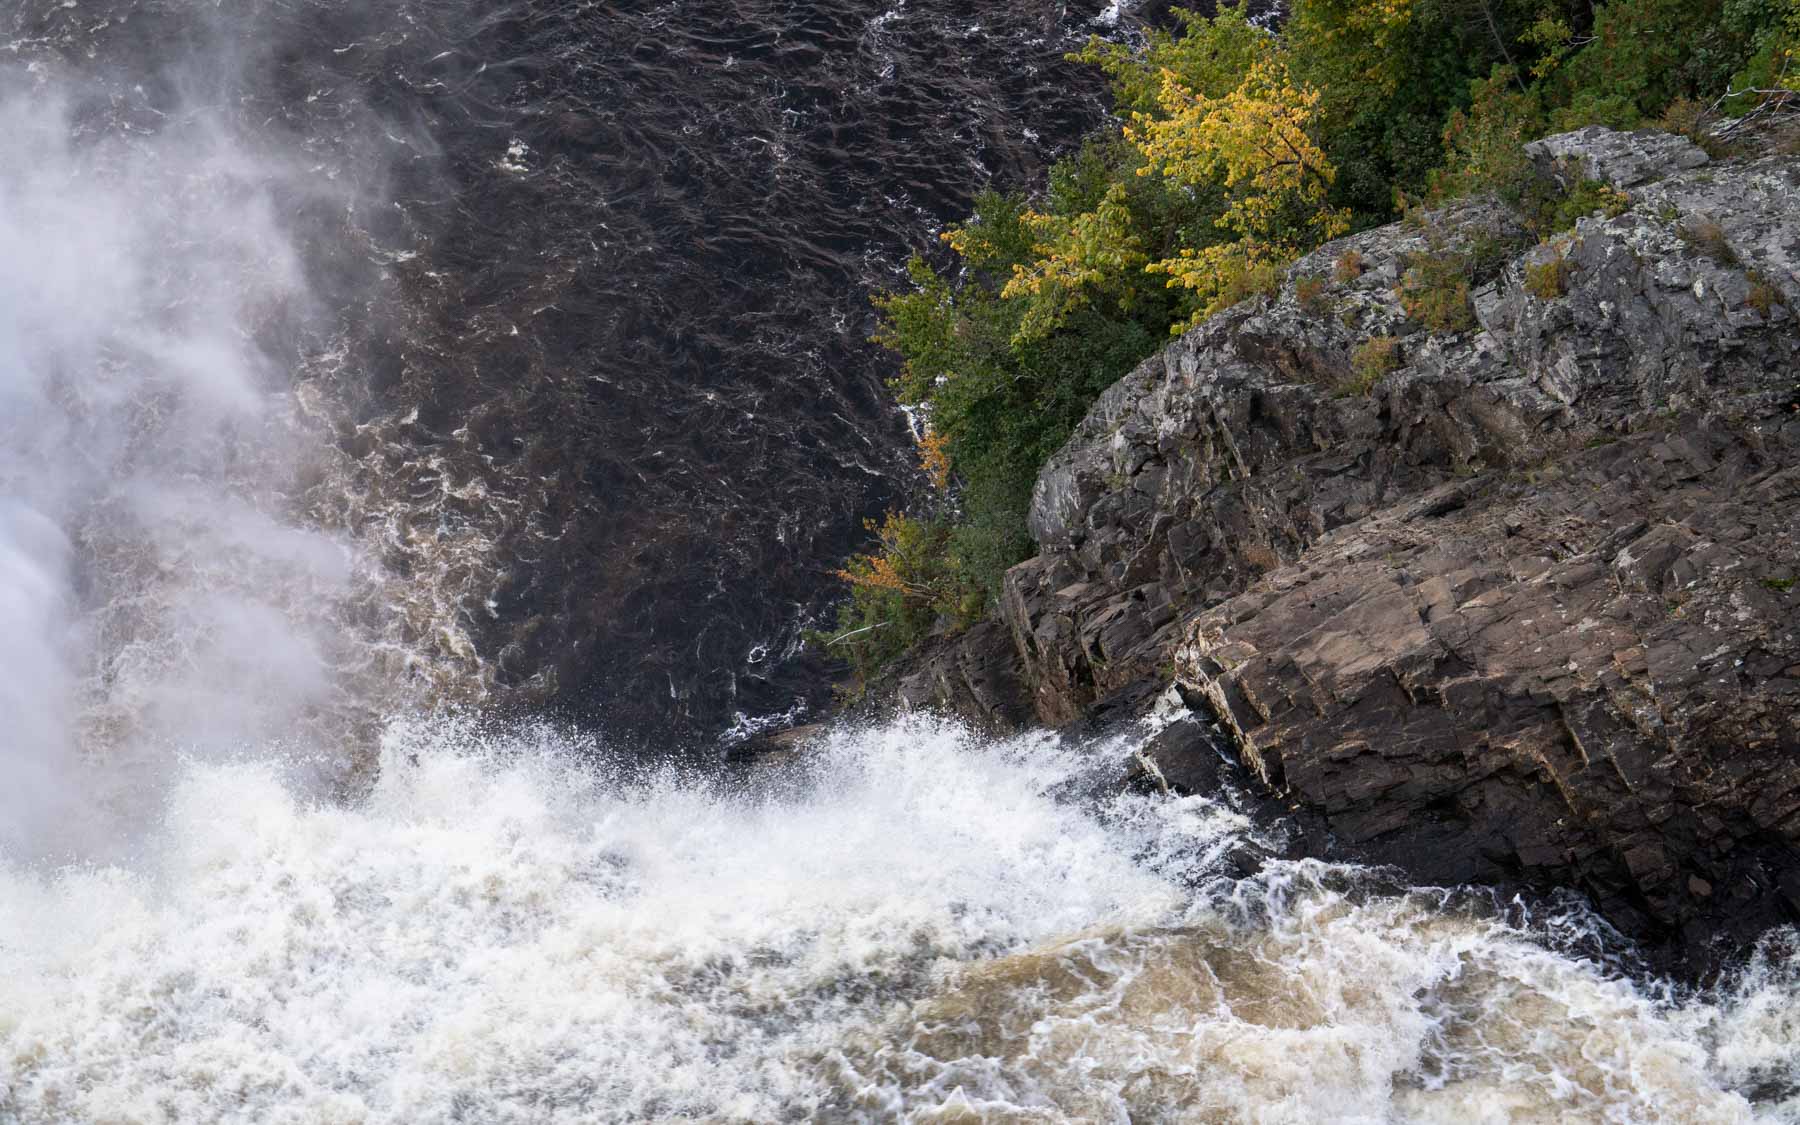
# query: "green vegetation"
[[1434, 291], [1549, 279], [1587, 197], [1237, 150], [901, 587], [1373, 358], [1313, 295], [1763, 296]]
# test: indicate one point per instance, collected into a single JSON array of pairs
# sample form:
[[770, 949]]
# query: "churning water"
[[912, 928], [363, 362]]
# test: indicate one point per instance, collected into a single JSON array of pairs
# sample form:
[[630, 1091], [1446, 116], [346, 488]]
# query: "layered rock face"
[[1514, 603]]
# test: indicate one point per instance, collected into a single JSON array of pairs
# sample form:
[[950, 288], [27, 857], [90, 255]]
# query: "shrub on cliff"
[[898, 592], [1238, 149], [1434, 291]]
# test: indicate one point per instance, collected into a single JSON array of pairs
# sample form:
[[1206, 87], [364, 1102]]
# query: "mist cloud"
[[158, 596]]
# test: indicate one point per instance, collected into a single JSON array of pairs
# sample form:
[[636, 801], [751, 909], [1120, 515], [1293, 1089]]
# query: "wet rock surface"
[[977, 675], [1520, 609]]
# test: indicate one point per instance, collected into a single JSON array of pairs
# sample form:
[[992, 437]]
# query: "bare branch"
[[855, 632]]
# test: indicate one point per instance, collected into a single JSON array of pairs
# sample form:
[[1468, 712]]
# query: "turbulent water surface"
[[911, 930], [390, 393]]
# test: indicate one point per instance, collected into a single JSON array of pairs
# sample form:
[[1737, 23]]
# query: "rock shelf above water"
[[1520, 610]]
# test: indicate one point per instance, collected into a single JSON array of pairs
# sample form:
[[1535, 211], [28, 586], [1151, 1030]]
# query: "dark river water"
[[593, 315]]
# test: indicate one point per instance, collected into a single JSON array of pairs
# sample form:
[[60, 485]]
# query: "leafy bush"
[[1692, 119], [1586, 198], [1259, 279], [1310, 291], [1549, 279], [1434, 291], [1772, 27], [898, 593], [1484, 142], [1348, 267], [1373, 358]]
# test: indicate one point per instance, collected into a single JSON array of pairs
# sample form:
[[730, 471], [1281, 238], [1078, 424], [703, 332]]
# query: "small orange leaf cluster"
[[877, 573], [934, 458], [902, 561]]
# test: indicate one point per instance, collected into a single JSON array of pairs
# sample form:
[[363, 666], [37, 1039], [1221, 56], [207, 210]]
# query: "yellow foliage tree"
[[1257, 139], [1075, 256]]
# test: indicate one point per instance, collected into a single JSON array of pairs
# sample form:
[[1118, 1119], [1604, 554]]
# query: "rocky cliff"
[[1512, 600]]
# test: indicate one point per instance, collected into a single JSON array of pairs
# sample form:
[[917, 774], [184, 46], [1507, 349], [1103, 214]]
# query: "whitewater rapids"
[[909, 925]]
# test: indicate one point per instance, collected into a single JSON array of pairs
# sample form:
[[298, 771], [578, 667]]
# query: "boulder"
[[1623, 160]]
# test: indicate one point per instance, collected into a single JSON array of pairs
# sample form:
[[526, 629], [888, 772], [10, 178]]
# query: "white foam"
[[498, 934]]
